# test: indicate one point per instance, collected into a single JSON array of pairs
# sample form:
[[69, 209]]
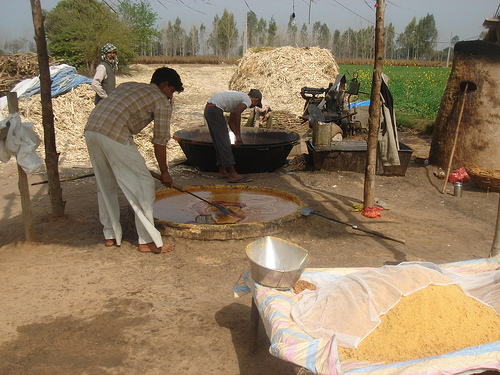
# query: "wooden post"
[[254, 328], [51, 154], [374, 109], [23, 181], [495, 247]]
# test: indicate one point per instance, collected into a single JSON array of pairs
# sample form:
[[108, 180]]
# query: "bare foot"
[[223, 173], [152, 248], [167, 248], [109, 242]]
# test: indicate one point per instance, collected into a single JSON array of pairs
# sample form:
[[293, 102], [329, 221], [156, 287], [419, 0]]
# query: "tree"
[[194, 44], [389, 42], [348, 43], [77, 29], [408, 40], [227, 33], [272, 31], [19, 45], [426, 36], [315, 32], [262, 32], [303, 36], [13, 46], [323, 35], [141, 19], [365, 39], [212, 39], [252, 29], [174, 39], [336, 43], [342, 44], [203, 39]]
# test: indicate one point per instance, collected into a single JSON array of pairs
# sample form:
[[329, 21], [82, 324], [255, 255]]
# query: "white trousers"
[[118, 165]]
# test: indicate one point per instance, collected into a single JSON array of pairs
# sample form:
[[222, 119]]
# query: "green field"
[[417, 91]]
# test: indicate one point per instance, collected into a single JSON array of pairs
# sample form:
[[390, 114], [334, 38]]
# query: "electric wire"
[[353, 12], [110, 7]]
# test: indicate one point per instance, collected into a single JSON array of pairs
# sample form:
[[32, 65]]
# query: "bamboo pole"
[[24, 190], [374, 109], [51, 154]]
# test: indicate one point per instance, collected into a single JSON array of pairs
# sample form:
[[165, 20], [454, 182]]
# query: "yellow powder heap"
[[432, 321]]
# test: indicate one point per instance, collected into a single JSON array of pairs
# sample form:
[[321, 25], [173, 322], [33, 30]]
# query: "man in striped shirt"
[[117, 162]]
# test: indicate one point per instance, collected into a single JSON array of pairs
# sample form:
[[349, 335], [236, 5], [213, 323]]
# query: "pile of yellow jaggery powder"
[[432, 321]]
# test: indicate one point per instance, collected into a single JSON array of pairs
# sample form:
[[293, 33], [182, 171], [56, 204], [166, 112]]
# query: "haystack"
[[16, 67], [71, 111], [280, 74]]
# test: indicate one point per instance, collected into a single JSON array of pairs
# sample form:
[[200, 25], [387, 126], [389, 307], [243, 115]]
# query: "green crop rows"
[[417, 91]]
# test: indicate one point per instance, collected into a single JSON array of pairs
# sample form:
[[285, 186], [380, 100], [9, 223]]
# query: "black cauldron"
[[263, 150]]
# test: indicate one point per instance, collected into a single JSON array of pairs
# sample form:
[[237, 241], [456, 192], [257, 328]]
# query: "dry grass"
[[183, 60], [280, 74], [71, 112], [16, 67], [72, 109], [281, 86]]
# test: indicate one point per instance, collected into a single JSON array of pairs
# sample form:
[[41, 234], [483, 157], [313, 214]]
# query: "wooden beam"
[[495, 247], [51, 154], [374, 109]]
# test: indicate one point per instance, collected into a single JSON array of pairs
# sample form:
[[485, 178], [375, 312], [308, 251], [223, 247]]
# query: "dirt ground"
[[72, 306]]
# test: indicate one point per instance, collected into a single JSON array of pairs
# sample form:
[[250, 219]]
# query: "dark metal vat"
[[263, 150]]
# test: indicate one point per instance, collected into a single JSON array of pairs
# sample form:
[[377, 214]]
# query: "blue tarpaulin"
[[63, 80], [359, 104]]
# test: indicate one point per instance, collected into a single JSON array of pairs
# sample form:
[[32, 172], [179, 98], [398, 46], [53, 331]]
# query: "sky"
[[463, 18]]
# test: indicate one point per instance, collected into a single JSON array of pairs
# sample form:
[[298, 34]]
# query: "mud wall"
[[479, 133]]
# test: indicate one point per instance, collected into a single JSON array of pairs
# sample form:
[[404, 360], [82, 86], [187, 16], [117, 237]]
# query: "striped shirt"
[[129, 109]]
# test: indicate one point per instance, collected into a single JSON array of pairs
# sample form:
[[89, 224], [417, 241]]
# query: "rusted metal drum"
[[258, 211]]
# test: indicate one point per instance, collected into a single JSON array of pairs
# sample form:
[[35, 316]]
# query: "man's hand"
[[166, 179], [234, 123], [239, 140]]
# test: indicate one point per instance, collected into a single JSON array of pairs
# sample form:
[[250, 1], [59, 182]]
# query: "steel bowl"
[[276, 263]]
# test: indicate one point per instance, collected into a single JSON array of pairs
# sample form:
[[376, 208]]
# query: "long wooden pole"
[[22, 184], [495, 247], [374, 109], [51, 154], [455, 138]]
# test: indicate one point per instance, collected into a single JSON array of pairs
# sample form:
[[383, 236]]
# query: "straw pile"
[[280, 74], [16, 67], [71, 112]]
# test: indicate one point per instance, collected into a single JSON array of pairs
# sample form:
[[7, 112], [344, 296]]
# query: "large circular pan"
[[268, 198]]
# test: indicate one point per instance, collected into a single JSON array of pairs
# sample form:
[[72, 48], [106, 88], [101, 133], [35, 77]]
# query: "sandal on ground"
[[240, 180]]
